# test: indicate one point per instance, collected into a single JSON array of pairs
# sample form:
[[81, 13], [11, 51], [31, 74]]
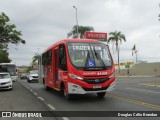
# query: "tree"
[[8, 34], [35, 57], [4, 56], [81, 31], [117, 37], [29, 68], [34, 63]]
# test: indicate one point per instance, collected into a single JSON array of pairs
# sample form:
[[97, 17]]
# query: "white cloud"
[[44, 22]]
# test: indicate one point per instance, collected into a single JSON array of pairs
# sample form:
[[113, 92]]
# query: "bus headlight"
[[112, 75], [73, 76]]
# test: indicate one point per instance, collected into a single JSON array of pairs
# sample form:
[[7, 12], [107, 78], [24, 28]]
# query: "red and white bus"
[[78, 66]]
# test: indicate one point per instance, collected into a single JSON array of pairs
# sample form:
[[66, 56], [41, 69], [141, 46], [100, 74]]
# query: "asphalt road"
[[20, 99], [130, 94]]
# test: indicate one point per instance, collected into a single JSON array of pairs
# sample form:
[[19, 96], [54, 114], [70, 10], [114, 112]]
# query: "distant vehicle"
[[78, 66], [11, 68], [5, 81], [23, 76], [33, 76]]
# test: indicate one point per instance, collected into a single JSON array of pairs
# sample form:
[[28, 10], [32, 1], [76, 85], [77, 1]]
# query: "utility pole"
[[76, 20], [136, 55]]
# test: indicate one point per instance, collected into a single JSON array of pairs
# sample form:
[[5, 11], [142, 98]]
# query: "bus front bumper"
[[76, 89]]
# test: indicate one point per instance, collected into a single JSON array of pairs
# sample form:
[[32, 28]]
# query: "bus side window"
[[47, 58], [62, 58]]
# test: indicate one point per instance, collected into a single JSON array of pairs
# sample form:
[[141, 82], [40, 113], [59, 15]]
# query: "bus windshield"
[[8, 68], [89, 56]]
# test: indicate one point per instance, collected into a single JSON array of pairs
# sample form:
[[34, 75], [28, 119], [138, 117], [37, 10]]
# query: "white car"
[[5, 81], [14, 78], [33, 76]]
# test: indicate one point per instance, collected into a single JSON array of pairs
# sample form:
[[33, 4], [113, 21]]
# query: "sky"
[[44, 22]]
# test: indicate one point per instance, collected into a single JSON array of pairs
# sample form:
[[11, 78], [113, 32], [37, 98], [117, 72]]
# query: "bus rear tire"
[[46, 87], [101, 94]]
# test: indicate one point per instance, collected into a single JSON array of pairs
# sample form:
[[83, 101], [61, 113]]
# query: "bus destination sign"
[[96, 35]]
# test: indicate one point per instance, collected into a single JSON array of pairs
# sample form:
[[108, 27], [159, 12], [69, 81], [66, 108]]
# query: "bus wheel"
[[67, 96], [46, 87], [101, 94]]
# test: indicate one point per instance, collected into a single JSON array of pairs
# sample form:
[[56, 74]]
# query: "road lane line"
[[143, 90], [50, 106], [135, 102], [151, 85], [27, 87], [65, 118], [35, 93], [30, 90], [41, 98]]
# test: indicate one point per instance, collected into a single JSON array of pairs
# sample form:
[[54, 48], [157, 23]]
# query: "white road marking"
[[41, 98], [65, 118], [49, 105], [35, 93], [27, 87], [154, 85], [144, 90], [31, 90]]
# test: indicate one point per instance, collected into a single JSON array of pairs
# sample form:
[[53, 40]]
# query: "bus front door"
[[55, 65]]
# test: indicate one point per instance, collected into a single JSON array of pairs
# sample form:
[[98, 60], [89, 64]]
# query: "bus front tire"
[[101, 94], [67, 96]]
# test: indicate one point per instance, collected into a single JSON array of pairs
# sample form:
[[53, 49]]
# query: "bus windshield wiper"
[[88, 56], [99, 58]]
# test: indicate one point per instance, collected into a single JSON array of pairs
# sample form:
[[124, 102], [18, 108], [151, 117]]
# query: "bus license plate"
[[97, 86]]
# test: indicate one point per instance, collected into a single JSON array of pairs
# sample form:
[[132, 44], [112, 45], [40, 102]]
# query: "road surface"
[[130, 94]]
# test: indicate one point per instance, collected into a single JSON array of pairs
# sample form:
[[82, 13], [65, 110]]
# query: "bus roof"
[[73, 40]]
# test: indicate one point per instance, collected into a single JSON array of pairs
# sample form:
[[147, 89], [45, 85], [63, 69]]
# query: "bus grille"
[[96, 81], [95, 89]]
